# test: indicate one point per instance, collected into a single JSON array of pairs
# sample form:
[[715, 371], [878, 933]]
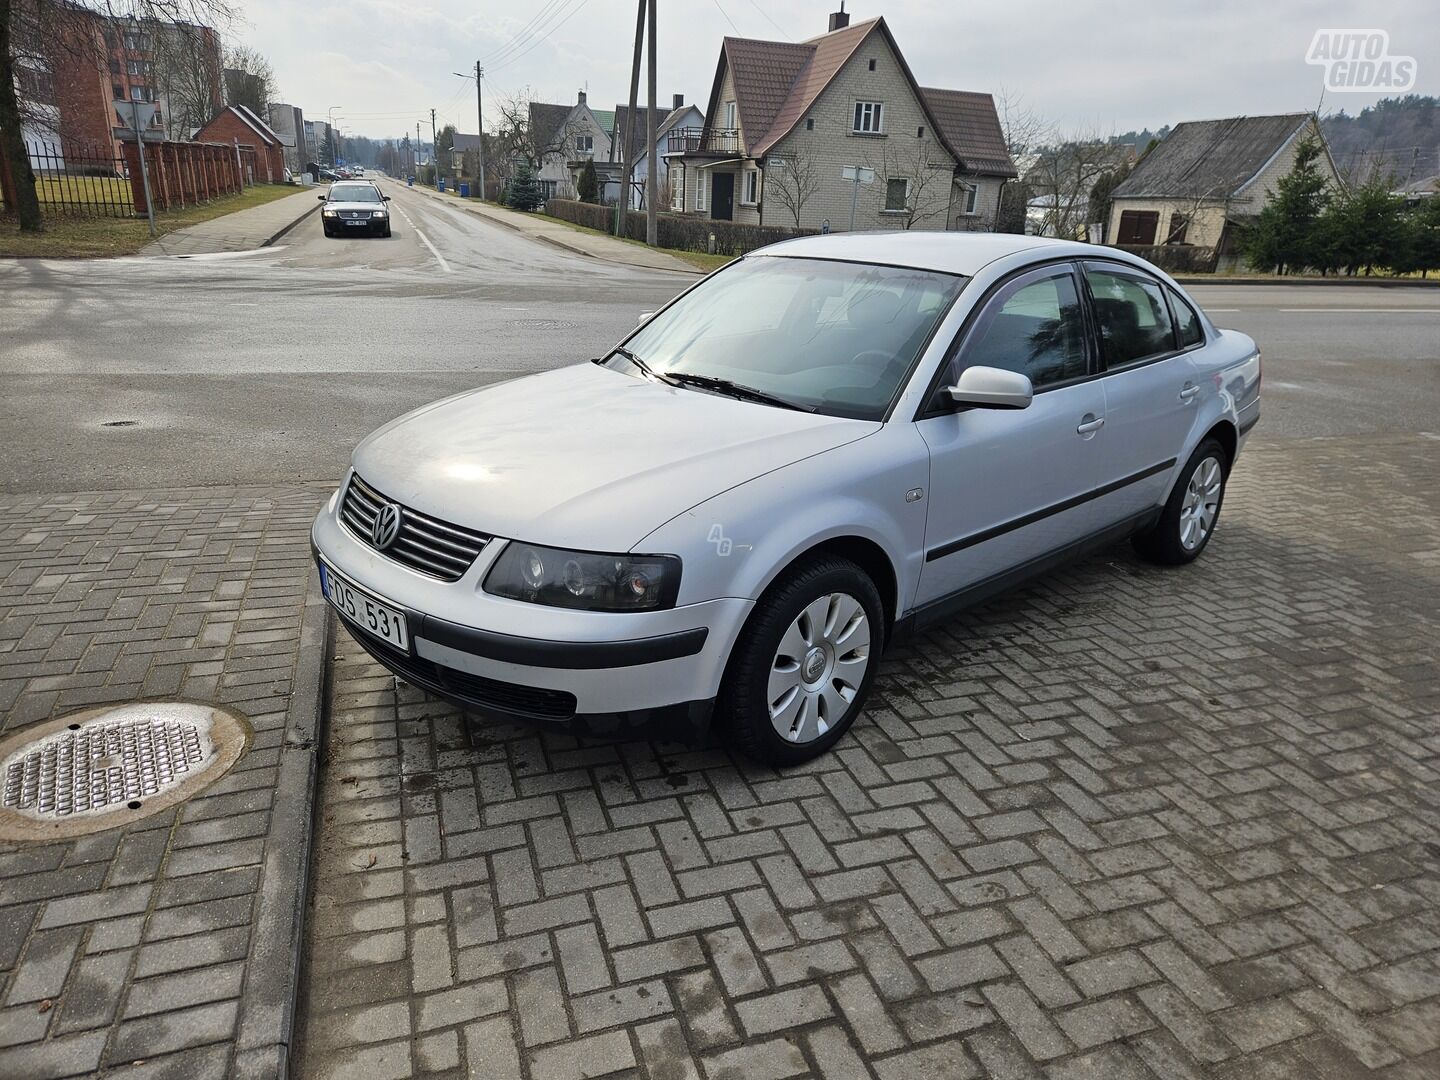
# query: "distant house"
[[1207, 177], [836, 127], [237, 124], [289, 122], [631, 143], [563, 137]]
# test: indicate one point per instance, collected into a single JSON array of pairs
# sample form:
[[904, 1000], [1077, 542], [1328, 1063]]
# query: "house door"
[[722, 196]]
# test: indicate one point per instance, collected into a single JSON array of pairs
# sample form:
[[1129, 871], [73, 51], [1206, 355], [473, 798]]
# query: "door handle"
[[1189, 391], [1091, 425]]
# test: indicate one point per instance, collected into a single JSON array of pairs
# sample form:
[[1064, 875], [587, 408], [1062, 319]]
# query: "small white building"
[[563, 136]]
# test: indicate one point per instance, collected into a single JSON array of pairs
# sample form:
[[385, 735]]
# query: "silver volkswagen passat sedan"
[[798, 460]]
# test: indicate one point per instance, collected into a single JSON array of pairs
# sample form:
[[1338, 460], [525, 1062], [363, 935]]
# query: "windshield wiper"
[[733, 389], [641, 364]]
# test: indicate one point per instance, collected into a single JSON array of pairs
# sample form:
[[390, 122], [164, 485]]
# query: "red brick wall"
[[228, 127], [83, 90]]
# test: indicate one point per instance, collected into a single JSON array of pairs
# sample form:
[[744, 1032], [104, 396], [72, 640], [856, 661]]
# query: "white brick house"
[[788, 122], [563, 137]]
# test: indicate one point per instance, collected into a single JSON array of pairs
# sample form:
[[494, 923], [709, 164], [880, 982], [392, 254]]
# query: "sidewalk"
[[260, 226], [172, 939], [586, 243]]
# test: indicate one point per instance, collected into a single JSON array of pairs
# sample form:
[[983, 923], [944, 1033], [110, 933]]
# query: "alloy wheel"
[[819, 667], [1202, 503]]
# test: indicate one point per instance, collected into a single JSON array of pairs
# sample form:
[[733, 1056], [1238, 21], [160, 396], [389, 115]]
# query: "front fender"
[[735, 544]]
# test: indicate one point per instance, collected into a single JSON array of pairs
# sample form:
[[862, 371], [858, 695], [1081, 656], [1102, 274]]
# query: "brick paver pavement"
[[1127, 822], [172, 940]]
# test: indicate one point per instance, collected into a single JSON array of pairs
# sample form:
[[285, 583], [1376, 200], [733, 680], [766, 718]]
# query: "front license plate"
[[362, 609], [357, 223]]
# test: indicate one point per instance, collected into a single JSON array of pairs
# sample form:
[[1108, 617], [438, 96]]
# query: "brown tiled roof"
[[763, 73], [969, 123], [1209, 158], [827, 56]]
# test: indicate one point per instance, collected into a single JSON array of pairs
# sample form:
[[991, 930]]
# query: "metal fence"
[[81, 180]]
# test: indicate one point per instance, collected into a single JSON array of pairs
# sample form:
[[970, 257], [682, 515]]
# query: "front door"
[[722, 196], [1010, 486]]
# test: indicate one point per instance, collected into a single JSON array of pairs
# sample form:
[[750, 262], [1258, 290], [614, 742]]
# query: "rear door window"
[[1130, 315], [1188, 331]]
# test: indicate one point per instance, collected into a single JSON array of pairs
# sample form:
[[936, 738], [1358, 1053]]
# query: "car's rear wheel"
[[1191, 513], [804, 664]]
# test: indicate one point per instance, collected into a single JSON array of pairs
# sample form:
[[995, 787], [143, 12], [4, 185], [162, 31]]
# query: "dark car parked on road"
[[355, 207]]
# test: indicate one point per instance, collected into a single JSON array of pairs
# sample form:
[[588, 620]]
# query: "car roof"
[[946, 252]]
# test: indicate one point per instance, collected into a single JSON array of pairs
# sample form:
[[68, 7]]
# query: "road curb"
[[1373, 283], [292, 224], [272, 992]]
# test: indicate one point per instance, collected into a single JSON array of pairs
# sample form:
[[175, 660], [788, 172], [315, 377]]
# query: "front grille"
[[425, 544], [356, 214], [475, 690]]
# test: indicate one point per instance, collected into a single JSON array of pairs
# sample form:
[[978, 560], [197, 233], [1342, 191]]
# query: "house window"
[[920, 132], [730, 116], [750, 191], [137, 93], [869, 117], [700, 181], [809, 123], [118, 92], [585, 144], [969, 195], [872, 65], [1179, 223], [897, 195], [1138, 227], [677, 186]]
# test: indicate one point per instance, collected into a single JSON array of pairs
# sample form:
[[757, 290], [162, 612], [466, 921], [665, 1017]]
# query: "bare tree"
[[1062, 176], [249, 79], [794, 179], [519, 140], [80, 32], [188, 73], [928, 175]]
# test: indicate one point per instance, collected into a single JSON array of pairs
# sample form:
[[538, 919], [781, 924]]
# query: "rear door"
[[1150, 387], [1008, 486]]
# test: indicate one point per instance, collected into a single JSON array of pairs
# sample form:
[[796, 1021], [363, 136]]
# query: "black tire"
[[743, 704], [386, 233], [1161, 543]]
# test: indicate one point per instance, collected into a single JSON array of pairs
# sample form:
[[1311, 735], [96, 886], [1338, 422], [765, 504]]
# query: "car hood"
[[331, 204], [583, 456]]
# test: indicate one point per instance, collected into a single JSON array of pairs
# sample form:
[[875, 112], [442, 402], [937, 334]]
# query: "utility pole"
[[417, 146], [434, 149], [480, 127], [652, 182], [628, 135]]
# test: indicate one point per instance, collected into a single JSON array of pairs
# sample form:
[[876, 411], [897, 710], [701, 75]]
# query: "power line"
[[771, 21], [511, 59], [522, 44], [522, 34], [722, 11]]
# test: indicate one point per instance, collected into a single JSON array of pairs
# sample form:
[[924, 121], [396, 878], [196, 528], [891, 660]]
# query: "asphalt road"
[[268, 366]]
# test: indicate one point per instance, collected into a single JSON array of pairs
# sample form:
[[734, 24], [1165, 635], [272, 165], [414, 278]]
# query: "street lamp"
[[330, 123]]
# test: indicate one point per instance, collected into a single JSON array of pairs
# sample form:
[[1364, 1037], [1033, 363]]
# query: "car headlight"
[[585, 580], [329, 213], [379, 213]]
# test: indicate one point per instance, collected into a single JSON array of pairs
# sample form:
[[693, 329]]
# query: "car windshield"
[[354, 193], [834, 337]]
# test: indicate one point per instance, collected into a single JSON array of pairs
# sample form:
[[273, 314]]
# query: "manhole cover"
[[105, 767]]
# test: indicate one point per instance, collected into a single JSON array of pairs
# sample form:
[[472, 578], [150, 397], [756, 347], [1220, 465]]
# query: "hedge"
[[678, 232], [1175, 258]]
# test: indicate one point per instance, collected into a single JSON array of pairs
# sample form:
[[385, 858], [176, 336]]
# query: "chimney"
[[839, 19], [582, 97], [677, 101]]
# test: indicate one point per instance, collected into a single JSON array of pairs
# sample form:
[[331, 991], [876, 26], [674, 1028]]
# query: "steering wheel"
[[878, 360]]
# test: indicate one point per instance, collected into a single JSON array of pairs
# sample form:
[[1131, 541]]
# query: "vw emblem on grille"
[[386, 527]]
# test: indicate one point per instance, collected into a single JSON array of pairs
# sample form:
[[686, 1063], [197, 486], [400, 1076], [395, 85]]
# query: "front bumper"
[[370, 227], [589, 671]]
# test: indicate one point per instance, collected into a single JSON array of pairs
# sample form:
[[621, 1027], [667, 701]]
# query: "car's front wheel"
[[1190, 514], [804, 664]]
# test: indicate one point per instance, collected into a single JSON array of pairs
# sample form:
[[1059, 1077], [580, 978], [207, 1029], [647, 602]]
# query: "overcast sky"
[[1083, 64]]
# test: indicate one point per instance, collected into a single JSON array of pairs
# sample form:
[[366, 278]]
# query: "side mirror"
[[645, 316], [991, 388], [385, 197], [322, 198]]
